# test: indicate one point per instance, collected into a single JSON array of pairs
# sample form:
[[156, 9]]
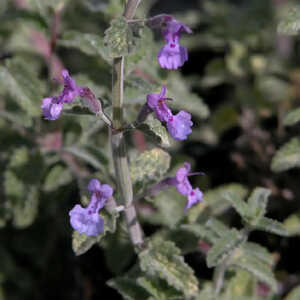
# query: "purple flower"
[[71, 90], [87, 220], [52, 106], [194, 197], [173, 55], [179, 126], [184, 187], [157, 102]]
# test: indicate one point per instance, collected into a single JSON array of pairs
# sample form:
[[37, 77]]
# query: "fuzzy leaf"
[[292, 118], [128, 288], [238, 203], [241, 286], [159, 289], [259, 252], [163, 259], [155, 131], [219, 228], [257, 268], [86, 155], [122, 38], [88, 43], [287, 157], [184, 99], [81, 243], [224, 247], [290, 24], [169, 208], [118, 245], [24, 212], [257, 202], [294, 294], [21, 186], [201, 232], [150, 165], [22, 85], [57, 177], [273, 226], [292, 224]]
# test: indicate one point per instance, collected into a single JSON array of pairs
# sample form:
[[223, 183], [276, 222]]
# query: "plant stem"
[[218, 278], [118, 143]]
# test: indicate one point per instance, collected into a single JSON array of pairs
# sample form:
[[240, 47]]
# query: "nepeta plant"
[[119, 200]]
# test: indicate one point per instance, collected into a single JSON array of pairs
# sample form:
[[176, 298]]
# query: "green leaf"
[[81, 243], [118, 245], [128, 288], [17, 118], [21, 186], [56, 177], [163, 259], [207, 293], [88, 43], [238, 203], [122, 38], [292, 224], [259, 252], [184, 99], [86, 155], [257, 202], [42, 6], [213, 201], [292, 118], [201, 232], [287, 157], [150, 165], [257, 268], [290, 23], [159, 289], [294, 294], [224, 247], [269, 225], [219, 228], [169, 208], [242, 285], [155, 131], [24, 212], [23, 86], [273, 89]]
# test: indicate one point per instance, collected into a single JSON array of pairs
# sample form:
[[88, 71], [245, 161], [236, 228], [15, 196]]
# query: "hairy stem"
[[218, 278], [118, 143]]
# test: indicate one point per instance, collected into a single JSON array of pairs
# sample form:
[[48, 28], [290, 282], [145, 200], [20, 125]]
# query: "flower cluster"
[[179, 125], [173, 55], [52, 106], [184, 187], [87, 220]]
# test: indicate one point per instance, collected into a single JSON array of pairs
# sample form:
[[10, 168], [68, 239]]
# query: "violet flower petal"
[[179, 126], [172, 56], [81, 220], [157, 103]]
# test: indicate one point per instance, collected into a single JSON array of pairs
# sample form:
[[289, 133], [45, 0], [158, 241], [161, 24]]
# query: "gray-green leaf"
[[162, 258], [290, 24], [287, 157], [224, 247], [122, 38], [150, 165]]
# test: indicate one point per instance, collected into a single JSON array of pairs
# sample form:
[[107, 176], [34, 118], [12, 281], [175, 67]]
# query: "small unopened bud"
[[92, 102]]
